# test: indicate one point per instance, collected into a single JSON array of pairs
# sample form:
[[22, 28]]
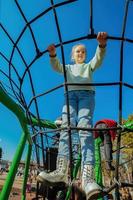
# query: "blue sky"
[[74, 20]]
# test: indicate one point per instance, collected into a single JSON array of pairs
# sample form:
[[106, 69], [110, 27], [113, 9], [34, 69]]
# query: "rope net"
[[26, 29]]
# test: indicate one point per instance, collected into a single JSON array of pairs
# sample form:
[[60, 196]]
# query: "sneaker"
[[57, 177], [91, 189]]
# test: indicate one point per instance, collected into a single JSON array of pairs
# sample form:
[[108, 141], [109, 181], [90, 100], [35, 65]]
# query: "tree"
[[127, 139]]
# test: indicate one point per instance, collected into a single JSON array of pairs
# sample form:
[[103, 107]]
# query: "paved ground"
[[16, 189]]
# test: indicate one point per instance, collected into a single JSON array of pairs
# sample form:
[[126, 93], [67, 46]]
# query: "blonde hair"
[[73, 49]]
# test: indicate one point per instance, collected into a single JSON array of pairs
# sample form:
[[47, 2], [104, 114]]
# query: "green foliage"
[[127, 139]]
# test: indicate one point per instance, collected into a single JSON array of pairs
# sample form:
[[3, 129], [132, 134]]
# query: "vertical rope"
[[120, 101]]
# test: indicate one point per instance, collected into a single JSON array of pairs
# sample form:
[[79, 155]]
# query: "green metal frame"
[[24, 122], [17, 110]]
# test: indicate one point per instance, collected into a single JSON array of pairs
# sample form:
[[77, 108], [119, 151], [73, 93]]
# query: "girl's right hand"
[[52, 50]]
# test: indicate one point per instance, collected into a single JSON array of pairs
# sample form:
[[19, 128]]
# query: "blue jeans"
[[81, 106]]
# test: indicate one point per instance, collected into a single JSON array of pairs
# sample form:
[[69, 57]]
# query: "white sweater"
[[80, 73]]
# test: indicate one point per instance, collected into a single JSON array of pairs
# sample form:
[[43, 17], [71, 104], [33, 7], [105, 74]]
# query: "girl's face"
[[79, 54]]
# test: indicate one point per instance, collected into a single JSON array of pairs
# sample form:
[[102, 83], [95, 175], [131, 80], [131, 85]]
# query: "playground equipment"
[[17, 110], [23, 108]]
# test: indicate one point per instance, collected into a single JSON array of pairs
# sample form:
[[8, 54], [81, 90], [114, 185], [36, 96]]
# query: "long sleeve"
[[98, 58], [56, 65]]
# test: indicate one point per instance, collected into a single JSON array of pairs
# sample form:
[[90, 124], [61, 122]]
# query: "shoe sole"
[[95, 194], [48, 183]]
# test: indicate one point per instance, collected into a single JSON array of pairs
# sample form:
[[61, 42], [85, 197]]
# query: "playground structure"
[[38, 127]]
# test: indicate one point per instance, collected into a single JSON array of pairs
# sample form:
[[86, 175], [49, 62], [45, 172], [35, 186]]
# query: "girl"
[[81, 106]]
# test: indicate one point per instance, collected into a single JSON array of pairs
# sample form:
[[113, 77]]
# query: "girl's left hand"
[[102, 38]]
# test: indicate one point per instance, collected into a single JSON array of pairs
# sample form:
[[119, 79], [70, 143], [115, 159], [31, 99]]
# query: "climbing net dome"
[[26, 30]]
